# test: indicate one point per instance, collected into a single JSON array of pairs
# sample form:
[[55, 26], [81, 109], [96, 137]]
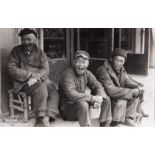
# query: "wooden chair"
[[19, 102]]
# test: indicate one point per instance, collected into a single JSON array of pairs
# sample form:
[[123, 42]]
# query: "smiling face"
[[118, 62], [28, 40], [80, 65]]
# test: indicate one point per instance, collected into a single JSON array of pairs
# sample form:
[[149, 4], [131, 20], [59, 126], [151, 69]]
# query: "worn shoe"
[[144, 114], [115, 124], [102, 124], [51, 119], [42, 122], [105, 124], [129, 122]]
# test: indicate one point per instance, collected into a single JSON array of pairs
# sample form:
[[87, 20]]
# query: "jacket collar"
[[112, 73], [29, 50]]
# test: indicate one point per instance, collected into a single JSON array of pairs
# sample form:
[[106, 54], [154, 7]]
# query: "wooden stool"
[[20, 102]]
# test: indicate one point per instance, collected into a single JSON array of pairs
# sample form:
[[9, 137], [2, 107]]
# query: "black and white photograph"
[[77, 77]]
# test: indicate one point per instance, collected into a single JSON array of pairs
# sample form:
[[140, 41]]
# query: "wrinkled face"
[[80, 65], [28, 40], [118, 62]]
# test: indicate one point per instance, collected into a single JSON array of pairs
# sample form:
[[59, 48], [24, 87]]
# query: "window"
[[54, 42], [94, 41], [130, 39]]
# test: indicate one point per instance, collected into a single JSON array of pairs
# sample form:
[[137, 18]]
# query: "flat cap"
[[81, 53], [119, 52], [27, 31]]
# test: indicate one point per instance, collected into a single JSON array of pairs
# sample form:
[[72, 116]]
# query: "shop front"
[[60, 44]]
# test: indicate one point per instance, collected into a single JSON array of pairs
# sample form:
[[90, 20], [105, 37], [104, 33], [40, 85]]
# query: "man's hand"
[[104, 96], [98, 99], [135, 92], [141, 90], [96, 105], [36, 76], [31, 81]]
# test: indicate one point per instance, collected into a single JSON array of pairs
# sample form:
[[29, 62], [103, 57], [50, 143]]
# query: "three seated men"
[[116, 93]]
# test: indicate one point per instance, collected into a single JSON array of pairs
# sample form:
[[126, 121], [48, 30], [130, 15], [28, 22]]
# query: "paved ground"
[[148, 106], [149, 97]]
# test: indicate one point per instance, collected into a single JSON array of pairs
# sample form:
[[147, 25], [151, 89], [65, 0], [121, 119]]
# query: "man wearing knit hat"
[[123, 91], [74, 101], [29, 69]]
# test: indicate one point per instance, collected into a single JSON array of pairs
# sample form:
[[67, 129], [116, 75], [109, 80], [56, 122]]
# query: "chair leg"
[[25, 104], [11, 104], [25, 109]]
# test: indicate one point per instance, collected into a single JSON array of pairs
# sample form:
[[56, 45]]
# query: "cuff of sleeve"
[[35, 76], [28, 75], [91, 99]]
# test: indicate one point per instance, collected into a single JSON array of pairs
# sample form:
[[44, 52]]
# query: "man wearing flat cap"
[[29, 69], [74, 101], [123, 91]]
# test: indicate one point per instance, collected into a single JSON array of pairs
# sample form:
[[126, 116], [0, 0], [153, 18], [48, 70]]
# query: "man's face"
[[28, 40], [80, 65], [118, 62]]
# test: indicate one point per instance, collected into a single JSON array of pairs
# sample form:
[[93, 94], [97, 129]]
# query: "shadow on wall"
[[8, 39]]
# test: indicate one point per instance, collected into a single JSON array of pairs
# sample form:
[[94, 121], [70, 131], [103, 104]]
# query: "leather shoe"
[[129, 122], [42, 122], [115, 124], [144, 114], [51, 119]]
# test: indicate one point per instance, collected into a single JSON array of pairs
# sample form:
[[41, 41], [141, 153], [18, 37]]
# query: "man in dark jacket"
[[74, 101], [123, 91], [29, 69]]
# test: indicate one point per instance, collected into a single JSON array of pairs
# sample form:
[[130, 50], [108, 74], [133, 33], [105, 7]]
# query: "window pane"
[[127, 39], [133, 40], [94, 41], [55, 42]]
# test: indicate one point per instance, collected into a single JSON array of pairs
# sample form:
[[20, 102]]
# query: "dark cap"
[[27, 31], [81, 53], [119, 52]]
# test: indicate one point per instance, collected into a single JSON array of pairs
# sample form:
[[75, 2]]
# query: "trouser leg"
[[132, 107], [83, 113], [119, 110], [105, 115], [52, 101], [77, 111], [39, 94]]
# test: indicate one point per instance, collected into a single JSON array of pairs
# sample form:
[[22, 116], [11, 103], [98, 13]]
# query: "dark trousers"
[[80, 111], [45, 99]]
